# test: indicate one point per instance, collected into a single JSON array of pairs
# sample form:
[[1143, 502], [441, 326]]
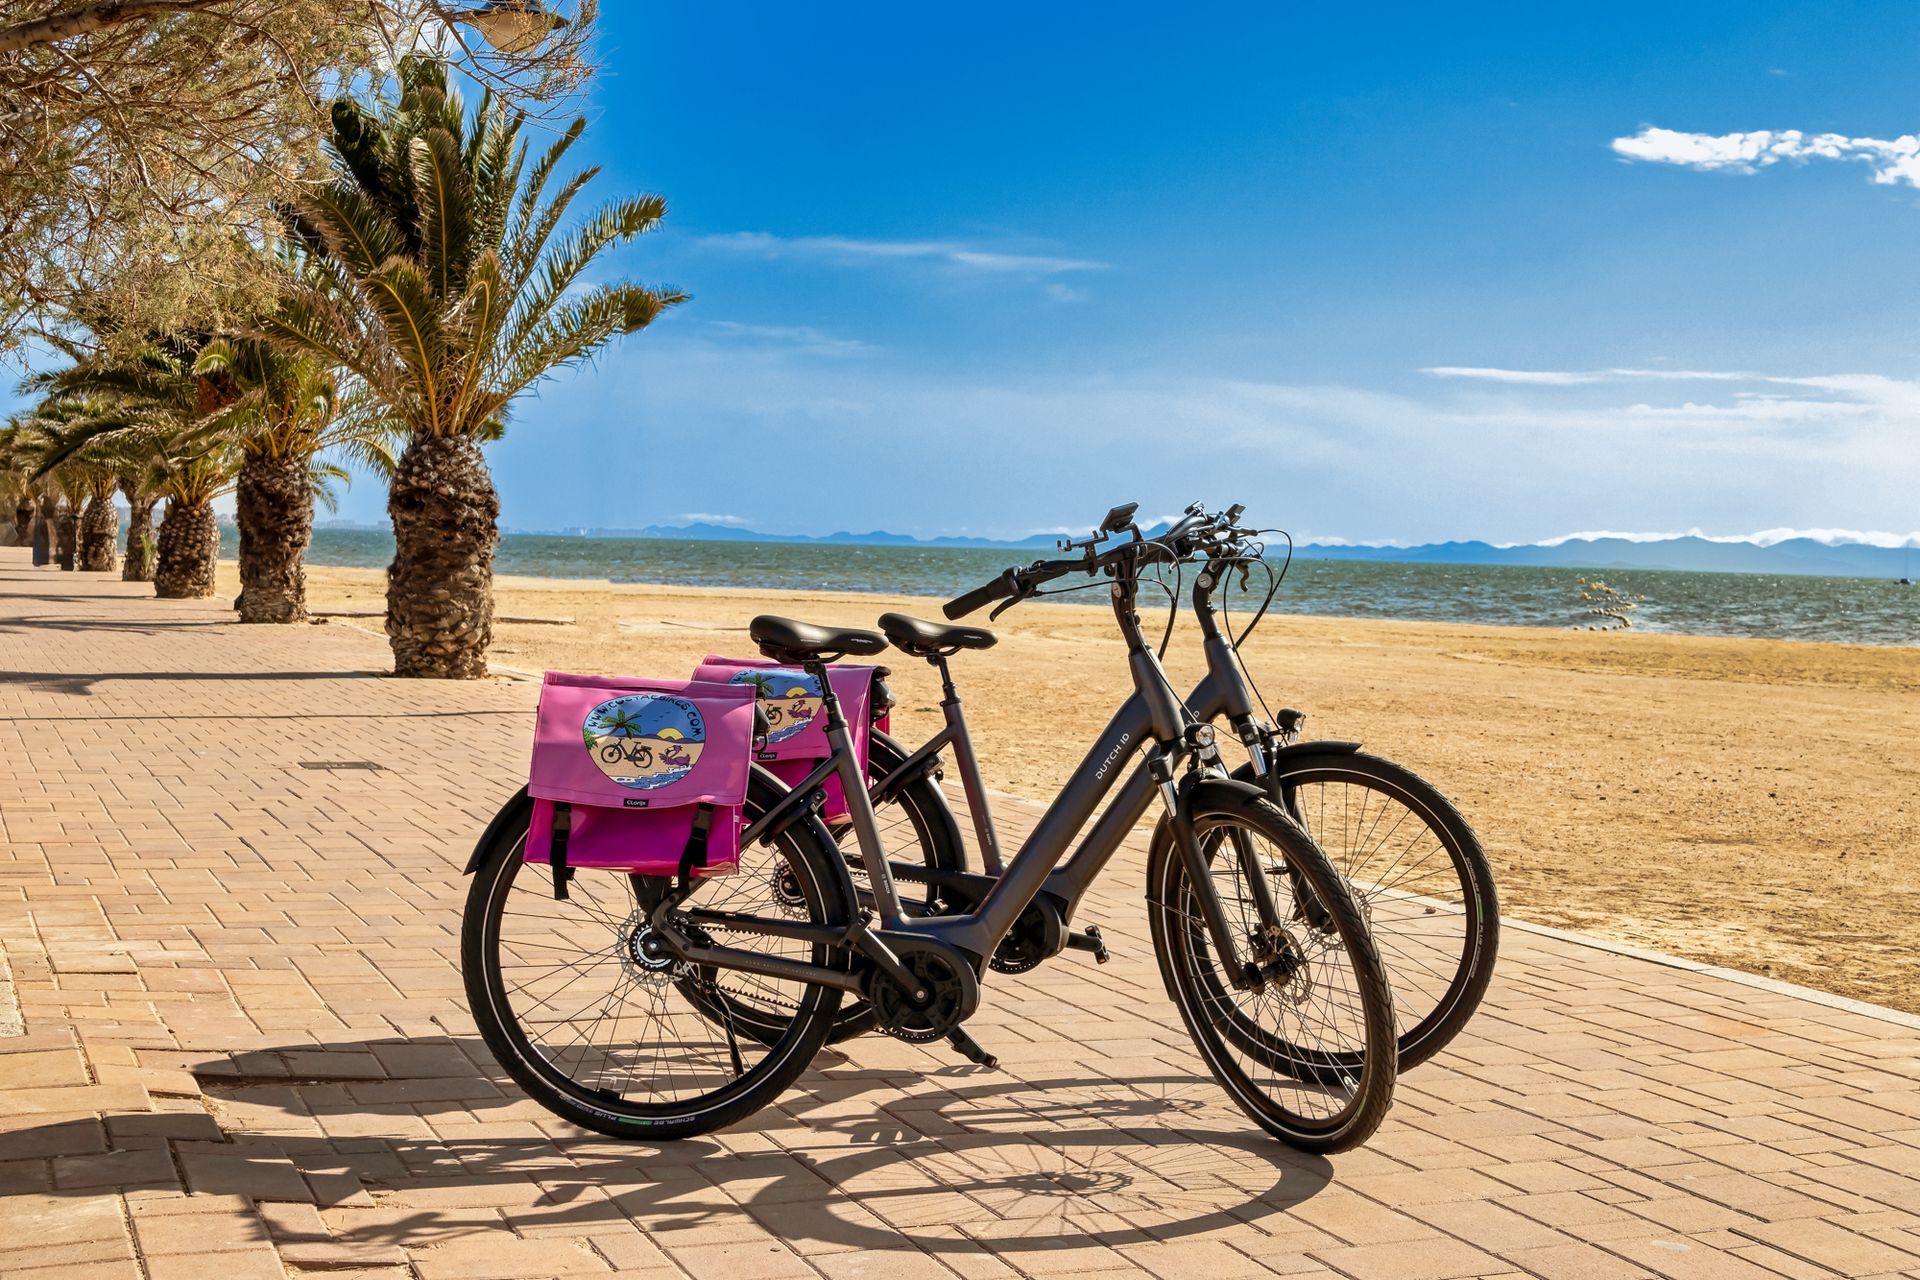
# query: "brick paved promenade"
[[245, 1053]]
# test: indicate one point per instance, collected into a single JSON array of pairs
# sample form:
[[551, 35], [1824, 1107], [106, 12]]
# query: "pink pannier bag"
[[796, 738], [642, 776]]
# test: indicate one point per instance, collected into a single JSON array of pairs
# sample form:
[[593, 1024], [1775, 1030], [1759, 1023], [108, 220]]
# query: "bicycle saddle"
[[924, 639], [785, 640]]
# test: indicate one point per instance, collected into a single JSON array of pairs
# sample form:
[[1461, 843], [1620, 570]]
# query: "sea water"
[[1850, 610]]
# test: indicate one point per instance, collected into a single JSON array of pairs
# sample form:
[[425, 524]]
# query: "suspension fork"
[[1223, 662], [1311, 908]]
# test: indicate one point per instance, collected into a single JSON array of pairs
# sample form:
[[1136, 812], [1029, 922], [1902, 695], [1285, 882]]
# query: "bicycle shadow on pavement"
[[951, 1160]]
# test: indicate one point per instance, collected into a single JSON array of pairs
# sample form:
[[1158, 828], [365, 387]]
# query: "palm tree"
[[287, 414], [447, 295], [46, 515], [16, 480], [66, 528], [142, 552], [87, 479], [187, 549], [153, 408], [43, 439]]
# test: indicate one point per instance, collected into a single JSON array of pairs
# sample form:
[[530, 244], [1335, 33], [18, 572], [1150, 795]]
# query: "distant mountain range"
[[708, 532], [1806, 556]]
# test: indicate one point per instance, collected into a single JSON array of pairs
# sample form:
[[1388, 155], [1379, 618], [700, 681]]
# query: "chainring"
[[952, 993], [1035, 936]]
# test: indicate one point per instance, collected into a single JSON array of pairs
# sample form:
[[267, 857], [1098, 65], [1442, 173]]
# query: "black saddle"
[[785, 640], [926, 639]]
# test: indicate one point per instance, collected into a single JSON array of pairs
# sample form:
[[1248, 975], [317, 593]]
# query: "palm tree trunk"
[[23, 521], [440, 585], [189, 548], [66, 535], [275, 509], [141, 551], [100, 533], [45, 517]]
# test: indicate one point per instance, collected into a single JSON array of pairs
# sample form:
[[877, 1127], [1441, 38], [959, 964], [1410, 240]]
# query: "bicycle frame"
[[1222, 693], [1152, 720]]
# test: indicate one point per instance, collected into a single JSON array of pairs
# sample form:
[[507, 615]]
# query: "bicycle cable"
[[1173, 610], [1273, 589]]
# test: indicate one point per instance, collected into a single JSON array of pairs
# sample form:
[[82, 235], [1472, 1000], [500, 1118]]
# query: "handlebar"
[[1017, 584], [1004, 585]]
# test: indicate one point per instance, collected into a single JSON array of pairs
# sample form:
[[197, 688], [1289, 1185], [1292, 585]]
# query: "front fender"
[[1327, 746], [518, 810], [1277, 760], [1197, 793]]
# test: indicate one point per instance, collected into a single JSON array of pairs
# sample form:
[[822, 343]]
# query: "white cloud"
[[1836, 396], [949, 253], [798, 337], [1066, 292], [1755, 408], [1000, 454], [1571, 378], [704, 517], [1537, 377], [1891, 161]]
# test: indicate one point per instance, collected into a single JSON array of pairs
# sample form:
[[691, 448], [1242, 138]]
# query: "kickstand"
[[970, 1048]]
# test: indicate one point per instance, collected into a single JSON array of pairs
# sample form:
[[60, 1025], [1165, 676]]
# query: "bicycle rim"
[[1421, 881], [601, 1031], [1311, 1058]]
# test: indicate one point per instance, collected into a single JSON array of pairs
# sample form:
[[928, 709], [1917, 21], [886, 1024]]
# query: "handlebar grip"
[[980, 596]]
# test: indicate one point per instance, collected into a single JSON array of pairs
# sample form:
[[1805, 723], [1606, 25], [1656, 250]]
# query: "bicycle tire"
[[537, 1062], [1352, 1069], [1438, 980]]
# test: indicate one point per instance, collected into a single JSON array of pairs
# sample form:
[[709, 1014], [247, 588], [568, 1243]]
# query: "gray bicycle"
[[655, 1007]]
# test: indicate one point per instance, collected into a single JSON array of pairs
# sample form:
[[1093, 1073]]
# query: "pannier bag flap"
[[641, 744], [646, 776], [796, 738], [796, 721]]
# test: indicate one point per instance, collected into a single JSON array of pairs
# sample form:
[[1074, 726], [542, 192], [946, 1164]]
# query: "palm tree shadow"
[[82, 684], [956, 1161], [121, 626]]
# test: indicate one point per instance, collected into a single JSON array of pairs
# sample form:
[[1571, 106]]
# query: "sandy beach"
[[1751, 803]]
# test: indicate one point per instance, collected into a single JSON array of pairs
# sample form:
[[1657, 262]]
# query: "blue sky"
[[1380, 274]]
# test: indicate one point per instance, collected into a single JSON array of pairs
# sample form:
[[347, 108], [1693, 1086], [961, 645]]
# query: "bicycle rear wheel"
[[1311, 1056], [611, 1033], [1419, 875]]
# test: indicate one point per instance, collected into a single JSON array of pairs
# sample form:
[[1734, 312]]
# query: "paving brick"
[[246, 973], [1828, 1244], [1413, 1260]]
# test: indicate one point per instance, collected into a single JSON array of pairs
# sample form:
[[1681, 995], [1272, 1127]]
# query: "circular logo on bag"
[[790, 698], [645, 740]]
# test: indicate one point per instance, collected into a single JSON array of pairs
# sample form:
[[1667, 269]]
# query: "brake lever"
[[1025, 592]]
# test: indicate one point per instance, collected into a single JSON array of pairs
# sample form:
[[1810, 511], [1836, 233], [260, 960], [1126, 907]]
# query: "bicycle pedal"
[[970, 1048], [1090, 941]]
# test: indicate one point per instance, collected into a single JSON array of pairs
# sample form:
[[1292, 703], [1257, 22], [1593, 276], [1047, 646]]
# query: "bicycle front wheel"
[[596, 1021], [1310, 1057]]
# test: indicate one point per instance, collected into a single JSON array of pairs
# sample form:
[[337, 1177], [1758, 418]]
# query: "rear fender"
[[514, 816]]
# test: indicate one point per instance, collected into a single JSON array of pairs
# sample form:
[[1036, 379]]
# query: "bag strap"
[[562, 831], [695, 854]]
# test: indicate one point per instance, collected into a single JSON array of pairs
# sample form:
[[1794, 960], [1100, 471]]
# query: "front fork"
[[1263, 744], [1204, 762]]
